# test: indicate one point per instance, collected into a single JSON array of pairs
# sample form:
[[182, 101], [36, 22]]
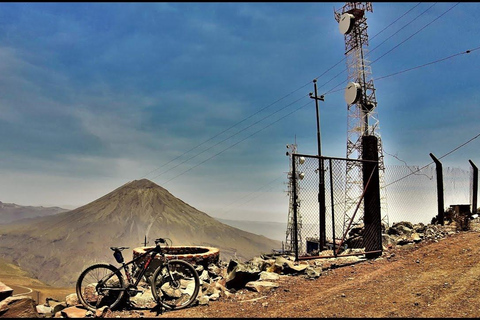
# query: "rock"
[[204, 276], [5, 291], [103, 312], [354, 242], [144, 299], [289, 267], [57, 306], [72, 300], [403, 241], [18, 307], [240, 274], [312, 273], [261, 286], [214, 270], [356, 231], [73, 312], [415, 237], [203, 300], [42, 309], [259, 263], [265, 275]]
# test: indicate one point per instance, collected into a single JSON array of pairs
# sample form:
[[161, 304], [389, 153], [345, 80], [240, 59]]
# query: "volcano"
[[57, 248]]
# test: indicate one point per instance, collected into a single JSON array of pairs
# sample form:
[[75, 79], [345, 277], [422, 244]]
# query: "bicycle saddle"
[[118, 248]]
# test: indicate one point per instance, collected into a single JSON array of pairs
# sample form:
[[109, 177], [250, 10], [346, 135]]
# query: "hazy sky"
[[202, 98]]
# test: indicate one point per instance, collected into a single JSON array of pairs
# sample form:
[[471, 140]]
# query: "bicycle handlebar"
[[160, 240]]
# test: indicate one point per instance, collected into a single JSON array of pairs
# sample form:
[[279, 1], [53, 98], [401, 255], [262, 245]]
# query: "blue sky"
[[93, 95]]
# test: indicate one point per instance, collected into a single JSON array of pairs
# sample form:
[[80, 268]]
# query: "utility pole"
[[321, 172]]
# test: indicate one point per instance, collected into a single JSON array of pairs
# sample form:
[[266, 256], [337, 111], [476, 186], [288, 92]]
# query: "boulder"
[[72, 300], [261, 286], [5, 291], [265, 275], [18, 307], [73, 312], [239, 274]]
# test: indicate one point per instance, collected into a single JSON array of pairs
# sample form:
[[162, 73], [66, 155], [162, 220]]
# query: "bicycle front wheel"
[[175, 284], [100, 285]]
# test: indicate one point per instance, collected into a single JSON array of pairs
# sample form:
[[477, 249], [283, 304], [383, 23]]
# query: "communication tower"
[[290, 244], [361, 101]]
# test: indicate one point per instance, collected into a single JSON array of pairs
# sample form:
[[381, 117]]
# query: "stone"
[[18, 307], [102, 312], [5, 291], [72, 300], [265, 275], [43, 309], [240, 274], [57, 306], [261, 286], [144, 299], [204, 276], [312, 273], [73, 312], [203, 300]]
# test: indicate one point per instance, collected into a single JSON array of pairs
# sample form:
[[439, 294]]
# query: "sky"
[[202, 98]]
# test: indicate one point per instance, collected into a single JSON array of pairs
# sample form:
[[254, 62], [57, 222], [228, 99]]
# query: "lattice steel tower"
[[290, 244], [361, 101]]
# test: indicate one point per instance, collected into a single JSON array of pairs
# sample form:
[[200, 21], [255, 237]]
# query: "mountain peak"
[[142, 183]]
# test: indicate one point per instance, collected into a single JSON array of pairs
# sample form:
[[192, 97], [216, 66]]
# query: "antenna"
[[290, 244], [361, 101], [145, 241]]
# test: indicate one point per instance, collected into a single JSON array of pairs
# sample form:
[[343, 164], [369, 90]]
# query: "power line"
[[218, 134], [268, 106], [338, 74], [421, 29], [239, 141], [395, 21], [418, 31], [246, 196], [419, 66], [446, 154], [421, 14], [230, 137], [427, 64]]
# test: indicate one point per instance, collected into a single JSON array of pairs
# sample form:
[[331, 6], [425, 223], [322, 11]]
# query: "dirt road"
[[432, 279]]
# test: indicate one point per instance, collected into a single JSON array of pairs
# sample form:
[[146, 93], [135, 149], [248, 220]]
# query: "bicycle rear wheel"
[[100, 285], [178, 288]]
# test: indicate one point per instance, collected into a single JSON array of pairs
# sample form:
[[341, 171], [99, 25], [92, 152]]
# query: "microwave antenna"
[[362, 119]]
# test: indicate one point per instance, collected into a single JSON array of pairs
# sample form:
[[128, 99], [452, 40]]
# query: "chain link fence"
[[408, 193], [412, 191], [344, 205]]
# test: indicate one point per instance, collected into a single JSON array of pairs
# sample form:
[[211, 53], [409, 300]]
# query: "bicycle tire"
[[180, 292], [89, 293]]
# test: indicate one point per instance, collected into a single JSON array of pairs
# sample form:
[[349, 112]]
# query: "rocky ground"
[[435, 272]]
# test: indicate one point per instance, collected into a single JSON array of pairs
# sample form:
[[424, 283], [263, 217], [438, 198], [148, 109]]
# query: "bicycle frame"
[[152, 254]]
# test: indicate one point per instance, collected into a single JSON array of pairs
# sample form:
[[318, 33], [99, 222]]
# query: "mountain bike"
[[174, 284]]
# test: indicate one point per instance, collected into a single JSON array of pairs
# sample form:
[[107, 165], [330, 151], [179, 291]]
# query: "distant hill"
[[58, 247], [11, 212]]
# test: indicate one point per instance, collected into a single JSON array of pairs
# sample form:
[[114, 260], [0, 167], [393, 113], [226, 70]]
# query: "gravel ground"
[[429, 279]]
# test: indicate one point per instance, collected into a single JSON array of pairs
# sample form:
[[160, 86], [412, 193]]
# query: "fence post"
[[475, 187], [372, 235], [440, 204]]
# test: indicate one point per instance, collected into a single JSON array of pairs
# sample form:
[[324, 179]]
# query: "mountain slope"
[[11, 212], [57, 248]]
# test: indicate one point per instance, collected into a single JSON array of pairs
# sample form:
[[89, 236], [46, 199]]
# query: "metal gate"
[[349, 221]]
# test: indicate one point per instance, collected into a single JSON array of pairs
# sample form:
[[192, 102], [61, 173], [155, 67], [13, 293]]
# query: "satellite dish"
[[352, 92], [345, 25]]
